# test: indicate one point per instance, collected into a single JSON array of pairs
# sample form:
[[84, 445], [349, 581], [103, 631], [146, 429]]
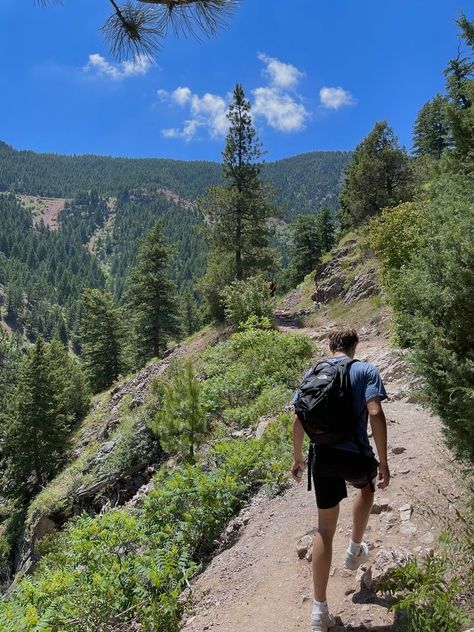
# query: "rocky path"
[[261, 585]]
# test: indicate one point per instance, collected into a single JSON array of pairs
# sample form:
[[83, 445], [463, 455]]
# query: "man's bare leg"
[[361, 512], [322, 550]]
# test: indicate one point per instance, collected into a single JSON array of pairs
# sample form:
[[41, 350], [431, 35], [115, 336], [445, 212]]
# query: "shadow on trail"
[[365, 596]]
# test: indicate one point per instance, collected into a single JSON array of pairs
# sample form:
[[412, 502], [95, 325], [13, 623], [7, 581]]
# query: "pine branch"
[[137, 27], [132, 30]]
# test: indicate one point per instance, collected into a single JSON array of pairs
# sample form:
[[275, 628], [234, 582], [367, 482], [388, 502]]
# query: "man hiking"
[[338, 456]]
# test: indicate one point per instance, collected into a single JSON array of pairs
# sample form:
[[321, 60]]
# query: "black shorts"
[[332, 467]]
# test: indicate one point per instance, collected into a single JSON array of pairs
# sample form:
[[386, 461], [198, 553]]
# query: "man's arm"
[[378, 424], [297, 468]]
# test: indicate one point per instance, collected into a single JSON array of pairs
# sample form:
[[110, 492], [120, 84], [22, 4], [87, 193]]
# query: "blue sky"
[[319, 74]]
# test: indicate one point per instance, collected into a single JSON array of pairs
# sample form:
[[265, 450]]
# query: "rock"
[[309, 556], [378, 508], [349, 591], [385, 561], [387, 521], [405, 512], [427, 538], [408, 529], [363, 286], [263, 424], [364, 577], [304, 545], [422, 552], [398, 450]]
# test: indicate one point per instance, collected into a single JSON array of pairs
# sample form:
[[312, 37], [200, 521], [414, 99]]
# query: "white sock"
[[320, 607], [354, 548]]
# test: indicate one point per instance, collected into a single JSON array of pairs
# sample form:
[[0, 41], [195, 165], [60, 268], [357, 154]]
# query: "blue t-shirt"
[[366, 384]]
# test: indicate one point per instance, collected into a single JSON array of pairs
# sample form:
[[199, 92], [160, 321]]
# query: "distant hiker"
[[272, 288], [333, 404]]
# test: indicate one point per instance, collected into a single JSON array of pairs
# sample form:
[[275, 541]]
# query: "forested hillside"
[[302, 182], [72, 222]]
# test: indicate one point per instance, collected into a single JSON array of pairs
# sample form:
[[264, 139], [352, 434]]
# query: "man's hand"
[[384, 476], [297, 470]]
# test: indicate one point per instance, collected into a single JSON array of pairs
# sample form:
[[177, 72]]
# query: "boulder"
[[304, 546], [405, 512]]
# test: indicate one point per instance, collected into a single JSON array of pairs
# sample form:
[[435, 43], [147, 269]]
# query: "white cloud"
[[101, 67], [182, 95], [279, 110], [335, 98], [277, 104], [207, 111], [281, 75]]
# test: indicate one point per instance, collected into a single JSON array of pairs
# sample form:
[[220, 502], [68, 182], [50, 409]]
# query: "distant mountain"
[[302, 183], [71, 222]]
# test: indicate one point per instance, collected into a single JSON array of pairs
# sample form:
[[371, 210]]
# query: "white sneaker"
[[322, 621], [352, 562]]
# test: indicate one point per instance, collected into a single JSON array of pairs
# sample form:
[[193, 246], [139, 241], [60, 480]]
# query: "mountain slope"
[[301, 182]]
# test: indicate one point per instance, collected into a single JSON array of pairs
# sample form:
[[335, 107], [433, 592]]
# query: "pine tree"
[[239, 209], [102, 338], [306, 247], [460, 89], [190, 316], [36, 434], [181, 424], [431, 132], [378, 176], [151, 296], [326, 229], [70, 380]]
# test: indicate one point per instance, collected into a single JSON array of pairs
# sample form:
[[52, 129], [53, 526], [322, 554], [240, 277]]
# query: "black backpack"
[[324, 402]]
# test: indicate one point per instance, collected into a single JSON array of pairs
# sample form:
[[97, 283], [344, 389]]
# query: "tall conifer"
[[152, 296], [102, 338], [36, 435], [239, 209], [378, 176]]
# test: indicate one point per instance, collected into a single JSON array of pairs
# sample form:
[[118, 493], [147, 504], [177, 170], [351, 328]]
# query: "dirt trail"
[[260, 585]]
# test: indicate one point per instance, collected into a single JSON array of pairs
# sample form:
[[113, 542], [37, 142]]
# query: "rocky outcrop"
[[333, 282], [364, 285]]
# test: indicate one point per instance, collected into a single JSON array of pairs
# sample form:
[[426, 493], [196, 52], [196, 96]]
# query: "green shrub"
[[181, 424], [122, 566], [423, 591], [245, 299], [427, 253], [239, 371]]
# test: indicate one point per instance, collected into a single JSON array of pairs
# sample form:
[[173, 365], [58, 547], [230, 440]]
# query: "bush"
[[241, 372], [245, 299], [426, 596], [427, 254], [181, 424]]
